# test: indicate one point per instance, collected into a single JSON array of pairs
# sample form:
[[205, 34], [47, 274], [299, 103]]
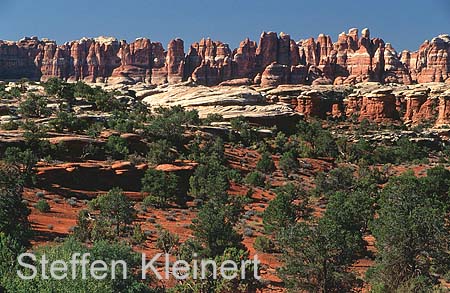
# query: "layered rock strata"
[[276, 59]]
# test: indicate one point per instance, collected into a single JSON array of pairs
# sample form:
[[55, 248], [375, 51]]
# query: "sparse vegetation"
[[316, 194], [167, 242]]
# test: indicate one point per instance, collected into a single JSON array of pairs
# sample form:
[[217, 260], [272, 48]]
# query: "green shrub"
[[91, 151], [161, 186], [280, 141], [115, 211], [338, 179], [447, 277], [289, 162], [13, 210], [407, 151], [138, 236], [167, 241], [82, 231], [212, 117], [264, 244], [413, 221], [117, 147], [64, 91], [400, 152], [95, 129], [10, 125], [203, 152], [43, 206], [15, 92], [265, 164], [243, 132], [26, 159], [255, 179], [214, 227], [290, 204], [320, 140], [104, 101], [122, 122], [161, 152], [169, 124], [68, 122], [150, 201], [100, 250], [210, 180], [317, 257], [34, 106]]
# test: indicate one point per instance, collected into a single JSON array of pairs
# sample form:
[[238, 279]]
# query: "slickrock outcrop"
[[199, 96], [228, 101], [236, 82], [322, 81], [411, 104], [276, 59]]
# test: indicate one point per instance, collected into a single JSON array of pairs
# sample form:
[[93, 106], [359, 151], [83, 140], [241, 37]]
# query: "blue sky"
[[406, 24]]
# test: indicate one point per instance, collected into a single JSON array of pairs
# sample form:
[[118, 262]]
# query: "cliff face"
[[378, 106], [20, 59], [434, 62], [277, 59], [444, 109], [410, 104]]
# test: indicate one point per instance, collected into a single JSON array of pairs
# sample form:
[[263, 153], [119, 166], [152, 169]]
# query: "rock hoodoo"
[[276, 59], [444, 109]]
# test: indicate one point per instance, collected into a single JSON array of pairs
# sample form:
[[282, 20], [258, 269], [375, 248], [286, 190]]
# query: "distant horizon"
[[405, 25]]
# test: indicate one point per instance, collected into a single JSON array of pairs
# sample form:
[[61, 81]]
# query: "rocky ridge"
[[410, 104], [427, 104], [276, 59]]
